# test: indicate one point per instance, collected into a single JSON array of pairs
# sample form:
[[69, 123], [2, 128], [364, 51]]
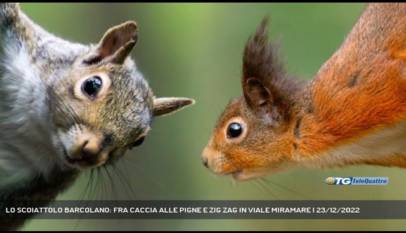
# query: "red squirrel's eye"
[[234, 130]]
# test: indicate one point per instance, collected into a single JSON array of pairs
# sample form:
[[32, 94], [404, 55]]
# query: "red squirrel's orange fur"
[[352, 112]]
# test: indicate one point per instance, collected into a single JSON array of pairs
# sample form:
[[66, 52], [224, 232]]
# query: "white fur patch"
[[25, 137], [387, 142]]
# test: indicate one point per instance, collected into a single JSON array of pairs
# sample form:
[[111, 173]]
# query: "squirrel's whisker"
[[124, 180], [285, 188]]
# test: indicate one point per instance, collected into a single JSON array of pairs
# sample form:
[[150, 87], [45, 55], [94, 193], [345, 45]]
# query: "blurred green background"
[[195, 50]]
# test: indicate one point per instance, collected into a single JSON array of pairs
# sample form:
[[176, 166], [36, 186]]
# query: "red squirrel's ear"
[[115, 45], [262, 73]]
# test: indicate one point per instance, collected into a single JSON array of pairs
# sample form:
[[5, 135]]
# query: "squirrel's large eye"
[[234, 130], [92, 86]]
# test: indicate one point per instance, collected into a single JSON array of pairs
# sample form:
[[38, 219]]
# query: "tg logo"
[[338, 180]]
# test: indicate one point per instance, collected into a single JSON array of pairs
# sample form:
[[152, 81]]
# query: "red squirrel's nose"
[[205, 157], [205, 162]]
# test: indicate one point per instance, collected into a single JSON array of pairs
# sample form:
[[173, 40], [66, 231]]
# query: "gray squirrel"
[[66, 107]]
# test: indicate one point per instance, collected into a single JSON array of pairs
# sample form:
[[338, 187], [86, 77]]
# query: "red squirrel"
[[353, 112]]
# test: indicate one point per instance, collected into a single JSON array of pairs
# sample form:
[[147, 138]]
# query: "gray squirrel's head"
[[103, 106]]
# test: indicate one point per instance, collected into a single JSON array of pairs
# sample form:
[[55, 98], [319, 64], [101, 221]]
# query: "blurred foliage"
[[195, 50]]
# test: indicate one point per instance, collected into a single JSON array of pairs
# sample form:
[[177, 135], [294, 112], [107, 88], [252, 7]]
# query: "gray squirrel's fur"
[[38, 114]]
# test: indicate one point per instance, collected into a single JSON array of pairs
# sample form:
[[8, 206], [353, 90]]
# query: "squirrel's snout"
[[209, 158], [205, 162], [205, 157], [89, 150]]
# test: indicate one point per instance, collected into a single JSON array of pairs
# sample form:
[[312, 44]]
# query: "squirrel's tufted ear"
[[167, 105], [262, 74], [115, 45]]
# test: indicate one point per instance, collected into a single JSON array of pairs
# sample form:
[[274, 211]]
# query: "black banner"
[[334, 209]]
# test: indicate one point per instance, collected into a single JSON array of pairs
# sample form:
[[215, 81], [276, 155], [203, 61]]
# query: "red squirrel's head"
[[254, 135]]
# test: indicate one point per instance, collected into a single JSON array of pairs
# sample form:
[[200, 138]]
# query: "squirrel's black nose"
[[205, 162]]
